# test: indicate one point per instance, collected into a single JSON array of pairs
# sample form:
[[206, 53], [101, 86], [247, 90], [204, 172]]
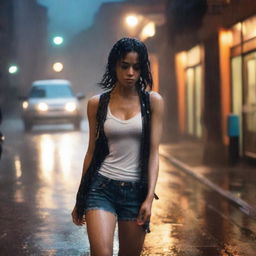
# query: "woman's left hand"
[[145, 212]]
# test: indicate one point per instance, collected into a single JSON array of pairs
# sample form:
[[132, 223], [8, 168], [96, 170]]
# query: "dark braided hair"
[[118, 52]]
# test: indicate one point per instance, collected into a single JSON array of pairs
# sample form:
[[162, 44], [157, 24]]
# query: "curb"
[[243, 205]]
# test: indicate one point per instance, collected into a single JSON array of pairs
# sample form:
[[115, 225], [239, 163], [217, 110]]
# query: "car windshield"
[[51, 91]]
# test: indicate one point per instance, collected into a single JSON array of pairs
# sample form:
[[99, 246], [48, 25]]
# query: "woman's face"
[[128, 70]]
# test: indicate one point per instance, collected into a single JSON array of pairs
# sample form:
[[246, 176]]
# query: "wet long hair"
[[117, 53]]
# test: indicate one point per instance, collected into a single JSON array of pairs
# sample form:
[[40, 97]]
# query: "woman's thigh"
[[100, 227], [131, 238]]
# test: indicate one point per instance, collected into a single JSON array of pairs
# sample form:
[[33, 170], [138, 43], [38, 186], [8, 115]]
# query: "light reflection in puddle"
[[17, 165], [65, 150], [46, 157]]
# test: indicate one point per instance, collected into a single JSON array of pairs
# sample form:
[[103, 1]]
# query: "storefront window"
[[194, 92], [193, 56], [190, 90], [243, 65], [243, 31], [250, 97], [190, 100], [236, 34], [249, 28], [237, 92]]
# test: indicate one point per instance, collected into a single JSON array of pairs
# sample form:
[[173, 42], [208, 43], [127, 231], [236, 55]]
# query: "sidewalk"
[[236, 182]]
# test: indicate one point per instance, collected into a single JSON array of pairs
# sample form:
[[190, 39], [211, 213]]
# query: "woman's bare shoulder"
[[155, 98], [93, 103], [94, 100], [156, 102]]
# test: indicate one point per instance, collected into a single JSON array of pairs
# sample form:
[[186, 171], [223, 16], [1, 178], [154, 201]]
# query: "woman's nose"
[[130, 71]]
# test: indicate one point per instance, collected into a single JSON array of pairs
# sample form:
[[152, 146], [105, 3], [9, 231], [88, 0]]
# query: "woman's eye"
[[124, 66]]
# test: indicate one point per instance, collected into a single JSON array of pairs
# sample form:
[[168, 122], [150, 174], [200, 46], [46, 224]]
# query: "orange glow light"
[[226, 37]]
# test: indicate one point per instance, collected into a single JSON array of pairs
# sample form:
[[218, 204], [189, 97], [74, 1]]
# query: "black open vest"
[[102, 150]]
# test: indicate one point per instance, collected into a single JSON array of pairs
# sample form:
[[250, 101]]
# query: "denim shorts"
[[122, 198]]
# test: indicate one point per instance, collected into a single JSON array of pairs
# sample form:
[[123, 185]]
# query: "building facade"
[[6, 48], [31, 42], [215, 76], [23, 44]]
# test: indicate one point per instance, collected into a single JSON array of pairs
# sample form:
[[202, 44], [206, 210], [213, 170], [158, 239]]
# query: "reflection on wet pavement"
[[193, 221], [175, 231], [238, 178]]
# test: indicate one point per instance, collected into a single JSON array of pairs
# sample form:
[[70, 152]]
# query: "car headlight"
[[42, 107], [25, 105], [70, 106]]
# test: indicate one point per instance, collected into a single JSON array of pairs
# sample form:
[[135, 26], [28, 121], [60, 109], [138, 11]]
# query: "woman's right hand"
[[76, 220]]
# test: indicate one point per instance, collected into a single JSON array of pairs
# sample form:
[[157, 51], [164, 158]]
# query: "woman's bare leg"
[[131, 238], [100, 227]]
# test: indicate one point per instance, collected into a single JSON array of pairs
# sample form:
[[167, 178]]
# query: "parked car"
[[51, 101]]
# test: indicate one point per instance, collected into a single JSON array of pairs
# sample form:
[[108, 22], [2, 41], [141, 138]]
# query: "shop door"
[[249, 105], [194, 101]]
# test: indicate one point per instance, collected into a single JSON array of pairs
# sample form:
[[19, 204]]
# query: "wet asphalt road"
[[39, 175]]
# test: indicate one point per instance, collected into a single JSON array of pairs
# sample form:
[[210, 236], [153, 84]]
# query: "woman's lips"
[[129, 80]]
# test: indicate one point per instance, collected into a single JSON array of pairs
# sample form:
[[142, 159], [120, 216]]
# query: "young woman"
[[121, 164]]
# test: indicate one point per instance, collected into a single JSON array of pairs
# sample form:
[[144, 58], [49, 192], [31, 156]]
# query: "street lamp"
[[13, 69], [58, 40], [57, 66], [132, 20], [148, 31]]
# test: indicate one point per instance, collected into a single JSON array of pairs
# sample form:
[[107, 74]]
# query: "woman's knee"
[[102, 252], [129, 253]]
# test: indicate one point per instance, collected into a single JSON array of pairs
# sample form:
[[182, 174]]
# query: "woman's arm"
[[92, 107], [157, 110]]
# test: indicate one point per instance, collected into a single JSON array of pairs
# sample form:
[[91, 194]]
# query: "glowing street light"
[[13, 69], [148, 31], [57, 66], [58, 40], [132, 20]]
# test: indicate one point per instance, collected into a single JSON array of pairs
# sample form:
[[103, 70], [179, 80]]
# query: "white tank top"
[[124, 138]]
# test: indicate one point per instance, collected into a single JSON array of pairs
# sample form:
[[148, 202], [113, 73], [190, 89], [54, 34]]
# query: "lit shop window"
[[249, 28], [189, 76], [243, 31]]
